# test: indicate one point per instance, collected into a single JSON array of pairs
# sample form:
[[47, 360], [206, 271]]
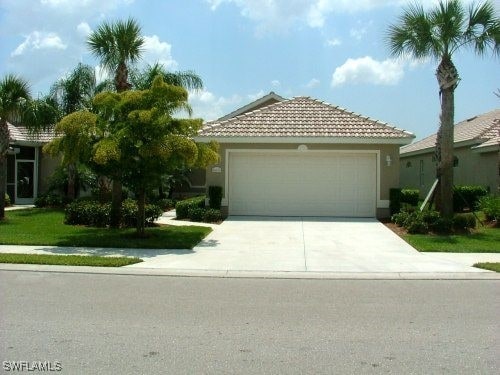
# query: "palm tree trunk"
[[448, 79], [141, 216], [4, 146]]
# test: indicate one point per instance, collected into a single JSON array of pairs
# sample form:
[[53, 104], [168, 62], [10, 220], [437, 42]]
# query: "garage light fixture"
[[388, 160]]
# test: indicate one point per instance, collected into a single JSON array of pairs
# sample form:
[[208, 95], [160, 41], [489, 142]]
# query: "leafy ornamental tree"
[[438, 34], [17, 106], [117, 45], [146, 139], [75, 134], [143, 79]]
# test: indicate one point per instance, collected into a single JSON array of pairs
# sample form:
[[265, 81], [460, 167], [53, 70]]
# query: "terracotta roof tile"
[[20, 133], [301, 117], [479, 128]]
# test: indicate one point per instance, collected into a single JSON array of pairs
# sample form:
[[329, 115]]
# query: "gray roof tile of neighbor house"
[[480, 129], [301, 117], [20, 133]]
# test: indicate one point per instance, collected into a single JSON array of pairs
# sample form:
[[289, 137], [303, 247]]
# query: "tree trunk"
[[3, 180], [121, 78], [71, 181], [4, 146], [448, 79], [116, 204], [141, 215]]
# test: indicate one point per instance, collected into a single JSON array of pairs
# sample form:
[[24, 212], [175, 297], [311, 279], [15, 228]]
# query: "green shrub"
[[51, 200], [467, 197], [394, 201], [215, 197], [430, 217], [410, 196], [182, 207], [490, 205], [212, 215], [95, 214], [86, 212], [7, 200], [417, 225], [129, 213], [196, 214], [442, 226], [464, 222]]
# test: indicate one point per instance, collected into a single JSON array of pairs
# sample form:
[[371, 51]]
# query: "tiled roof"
[[301, 117], [20, 133], [480, 128]]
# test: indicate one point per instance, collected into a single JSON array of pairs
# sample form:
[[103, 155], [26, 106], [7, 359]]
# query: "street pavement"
[[112, 324]]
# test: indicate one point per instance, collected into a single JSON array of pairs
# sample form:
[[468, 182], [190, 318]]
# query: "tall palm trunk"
[[448, 78], [4, 146], [121, 85]]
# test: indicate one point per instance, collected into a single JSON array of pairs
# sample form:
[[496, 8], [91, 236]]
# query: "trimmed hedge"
[[165, 203], [215, 197], [182, 207], [95, 214], [394, 200], [467, 196], [410, 196]]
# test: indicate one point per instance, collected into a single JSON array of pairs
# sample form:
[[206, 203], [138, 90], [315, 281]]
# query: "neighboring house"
[[303, 157], [476, 153], [27, 167]]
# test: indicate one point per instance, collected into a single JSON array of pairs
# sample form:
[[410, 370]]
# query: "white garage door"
[[297, 184]]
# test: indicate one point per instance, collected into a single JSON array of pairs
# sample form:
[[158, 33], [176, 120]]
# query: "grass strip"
[[489, 266], [67, 260]]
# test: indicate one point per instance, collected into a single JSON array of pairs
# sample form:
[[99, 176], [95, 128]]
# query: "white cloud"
[[39, 40], [334, 42], [312, 83], [279, 15], [368, 70], [83, 29], [157, 51], [208, 106], [275, 83]]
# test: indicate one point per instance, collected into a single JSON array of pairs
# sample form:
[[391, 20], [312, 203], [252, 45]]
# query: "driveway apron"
[[249, 243]]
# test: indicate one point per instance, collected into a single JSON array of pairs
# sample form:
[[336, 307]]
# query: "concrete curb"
[[124, 271]]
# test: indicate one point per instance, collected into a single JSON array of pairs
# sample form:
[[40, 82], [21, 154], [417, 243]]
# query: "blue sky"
[[332, 50]]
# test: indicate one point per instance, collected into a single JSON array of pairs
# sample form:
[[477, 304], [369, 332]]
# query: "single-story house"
[[27, 167], [476, 150], [303, 157]]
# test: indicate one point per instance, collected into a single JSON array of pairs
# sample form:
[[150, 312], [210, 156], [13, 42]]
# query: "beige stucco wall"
[[46, 167], [473, 169], [389, 175]]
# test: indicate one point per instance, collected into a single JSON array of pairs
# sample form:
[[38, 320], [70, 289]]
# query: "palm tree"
[[143, 79], [75, 92], [117, 45], [438, 34], [14, 92]]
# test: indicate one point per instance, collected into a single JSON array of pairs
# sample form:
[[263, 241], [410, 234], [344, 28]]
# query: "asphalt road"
[[112, 324]]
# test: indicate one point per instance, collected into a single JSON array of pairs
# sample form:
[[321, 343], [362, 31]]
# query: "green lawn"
[[488, 266], [67, 260], [484, 240], [45, 227]]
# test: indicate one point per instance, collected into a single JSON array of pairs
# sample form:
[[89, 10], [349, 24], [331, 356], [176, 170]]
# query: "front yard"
[[482, 240], [45, 227]]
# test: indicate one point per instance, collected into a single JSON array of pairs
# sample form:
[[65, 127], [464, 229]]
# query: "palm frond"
[[14, 92], [483, 30]]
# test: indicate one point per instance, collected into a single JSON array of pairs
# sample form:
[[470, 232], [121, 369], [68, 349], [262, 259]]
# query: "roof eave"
[[310, 140]]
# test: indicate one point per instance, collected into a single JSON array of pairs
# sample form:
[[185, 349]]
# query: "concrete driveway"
[[303, 244]]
